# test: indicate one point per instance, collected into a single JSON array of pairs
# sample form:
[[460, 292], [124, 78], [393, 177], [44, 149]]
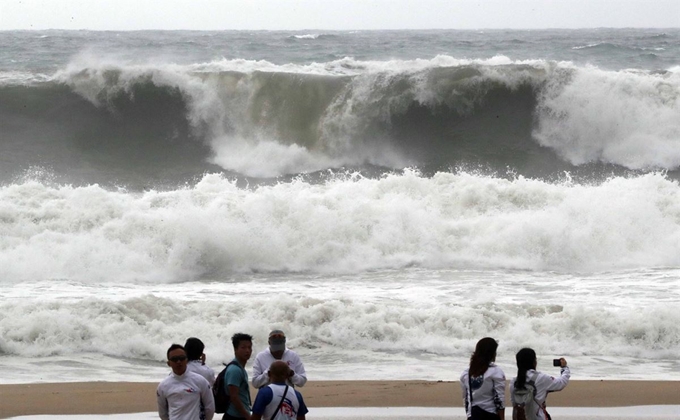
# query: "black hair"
[[194, 348], [526, 359], [173, 348], [485, 353], [238, 337]]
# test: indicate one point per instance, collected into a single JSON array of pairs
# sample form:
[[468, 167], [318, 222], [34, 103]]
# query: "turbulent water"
[[387, 198]]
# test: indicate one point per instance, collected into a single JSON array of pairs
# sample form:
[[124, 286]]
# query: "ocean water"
[[387, 198]]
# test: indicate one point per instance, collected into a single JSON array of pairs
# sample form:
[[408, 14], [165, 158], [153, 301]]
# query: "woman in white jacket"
[[526, 372], [483, 383]]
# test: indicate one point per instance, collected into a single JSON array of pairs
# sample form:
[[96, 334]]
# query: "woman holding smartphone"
[[528, 376]]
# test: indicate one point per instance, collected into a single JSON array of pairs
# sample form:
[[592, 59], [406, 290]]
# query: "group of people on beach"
[[483, 385], [192, 390]]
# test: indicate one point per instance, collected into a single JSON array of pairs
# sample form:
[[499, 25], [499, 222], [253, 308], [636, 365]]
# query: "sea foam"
[[347, 224]]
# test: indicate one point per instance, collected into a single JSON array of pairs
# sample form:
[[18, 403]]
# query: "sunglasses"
[[178, 359]]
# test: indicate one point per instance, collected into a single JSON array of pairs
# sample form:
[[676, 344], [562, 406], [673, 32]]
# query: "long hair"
[[526, 359], [485, 353]]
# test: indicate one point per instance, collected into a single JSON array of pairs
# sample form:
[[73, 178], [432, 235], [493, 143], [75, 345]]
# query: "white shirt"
[[544, 384], [179, 397], [488, 392], [264, 359], [290, 406], [205, 371]]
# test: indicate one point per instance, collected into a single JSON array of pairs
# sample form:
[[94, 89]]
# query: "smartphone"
[[556, 362]]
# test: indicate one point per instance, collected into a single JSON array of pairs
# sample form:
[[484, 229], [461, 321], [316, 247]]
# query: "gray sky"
[[336, 14]]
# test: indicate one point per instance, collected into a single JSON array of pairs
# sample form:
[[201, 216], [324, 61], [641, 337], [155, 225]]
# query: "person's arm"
[[302, 410], [210, 373], [208, 401], [512, 400], [162, 403], [559, 383], [235, 399], [499, 392], [463, 388], [260, 372], [299, 377], [262, 399]]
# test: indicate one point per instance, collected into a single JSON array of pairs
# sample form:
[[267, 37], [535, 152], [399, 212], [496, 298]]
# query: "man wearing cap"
[[277, 351]]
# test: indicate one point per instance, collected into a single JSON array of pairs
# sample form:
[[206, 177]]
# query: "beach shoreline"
[[135, 397]]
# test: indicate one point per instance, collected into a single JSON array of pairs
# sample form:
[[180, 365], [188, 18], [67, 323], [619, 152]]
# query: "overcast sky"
[[336, 14]]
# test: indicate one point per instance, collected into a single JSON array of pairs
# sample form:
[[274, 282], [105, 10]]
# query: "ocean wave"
[[306, 36], [22, 78], [607, 46], [600, 45], [142, 327], [264, 120], [347, 224], [624, 118]]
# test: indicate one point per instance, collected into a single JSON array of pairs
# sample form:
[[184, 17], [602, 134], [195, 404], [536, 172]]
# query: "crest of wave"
[[626, 118]]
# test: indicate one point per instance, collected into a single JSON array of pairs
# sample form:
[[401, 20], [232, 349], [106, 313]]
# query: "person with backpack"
[[236, 379], [529, 390], [279, 400], [483, 383]]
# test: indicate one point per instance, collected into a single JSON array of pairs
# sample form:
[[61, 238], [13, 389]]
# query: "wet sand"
[[134, 397]]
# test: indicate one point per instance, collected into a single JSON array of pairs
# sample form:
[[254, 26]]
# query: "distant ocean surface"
[[387, 198]]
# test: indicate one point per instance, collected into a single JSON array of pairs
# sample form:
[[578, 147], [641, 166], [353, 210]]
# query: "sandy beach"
[[129, 397]]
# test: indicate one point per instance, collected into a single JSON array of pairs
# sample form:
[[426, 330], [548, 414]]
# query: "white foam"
[[398, 269], [628, 118], [402, 324], [346, 225]]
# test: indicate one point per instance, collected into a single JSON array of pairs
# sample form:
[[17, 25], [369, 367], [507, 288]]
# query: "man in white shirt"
[[181, 395], [277, 351]]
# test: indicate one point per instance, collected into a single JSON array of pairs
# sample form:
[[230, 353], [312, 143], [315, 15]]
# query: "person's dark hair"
[[238, 337], [526, 359], [194, 348], [174, 347], [485, 353]]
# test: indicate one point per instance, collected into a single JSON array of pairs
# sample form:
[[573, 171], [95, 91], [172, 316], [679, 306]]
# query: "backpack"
[[220, 393], [525, 400]]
